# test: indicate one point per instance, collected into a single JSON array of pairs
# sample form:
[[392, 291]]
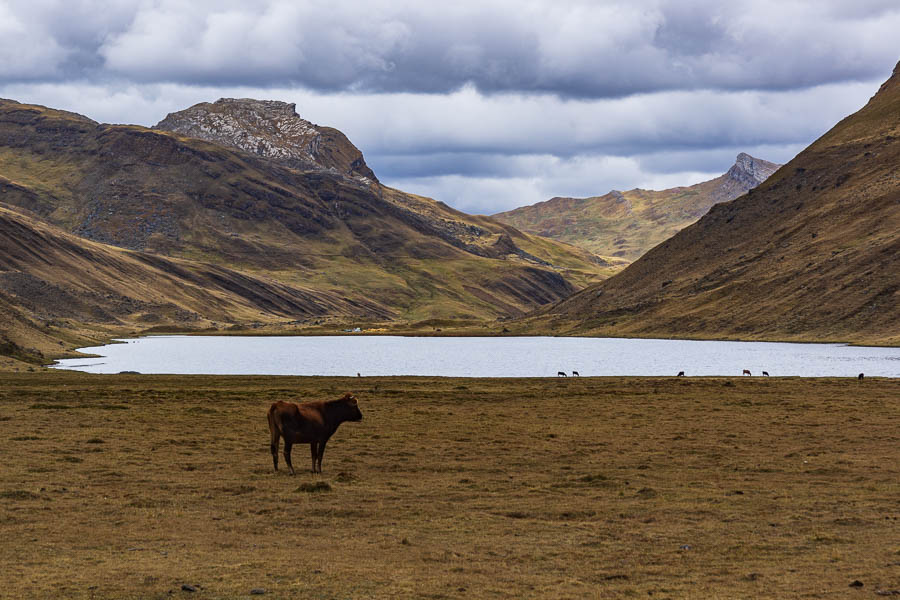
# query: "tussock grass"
[[451, 488]]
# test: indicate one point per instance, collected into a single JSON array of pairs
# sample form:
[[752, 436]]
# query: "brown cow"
[[311, 422]]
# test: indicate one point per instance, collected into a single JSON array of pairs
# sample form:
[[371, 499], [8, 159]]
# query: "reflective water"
[[480, 357]]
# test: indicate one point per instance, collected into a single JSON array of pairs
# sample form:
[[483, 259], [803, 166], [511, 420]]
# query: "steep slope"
[[624, 225], [811, 254], [55, 286], [318, 226]]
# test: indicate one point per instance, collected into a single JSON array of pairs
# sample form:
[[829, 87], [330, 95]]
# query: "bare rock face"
[[273, 130], [750, 171]]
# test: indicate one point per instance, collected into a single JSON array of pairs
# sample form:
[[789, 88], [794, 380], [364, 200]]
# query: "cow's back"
[[302, 422]]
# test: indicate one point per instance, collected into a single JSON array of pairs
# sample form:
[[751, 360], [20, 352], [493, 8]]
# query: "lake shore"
[[493, 356], [131, 486]]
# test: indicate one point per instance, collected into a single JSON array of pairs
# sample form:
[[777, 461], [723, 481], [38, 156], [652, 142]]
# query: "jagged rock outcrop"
[[273, 130], [750, 171], [624, 225]]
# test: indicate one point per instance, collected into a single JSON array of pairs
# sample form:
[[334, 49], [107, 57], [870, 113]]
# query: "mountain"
[[57, 289], [273, 130], [275, 198], [624, 225], [812, 254]]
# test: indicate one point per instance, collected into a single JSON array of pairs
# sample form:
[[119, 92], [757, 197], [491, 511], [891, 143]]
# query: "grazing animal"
[[575, 374], [681, 373], [746, 372], [310, 422], [765, 373], [861, 376], [561, 374]]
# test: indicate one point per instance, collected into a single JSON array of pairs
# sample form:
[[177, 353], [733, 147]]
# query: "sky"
[[486, 105]]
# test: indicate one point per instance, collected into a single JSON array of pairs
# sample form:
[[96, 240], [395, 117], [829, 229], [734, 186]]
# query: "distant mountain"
[[250, 187], [624, 225], [811, 254]]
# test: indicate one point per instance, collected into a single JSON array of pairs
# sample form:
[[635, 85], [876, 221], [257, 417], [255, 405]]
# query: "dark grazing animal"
[[861, 375], [575, 374], [746, 372], [561, 374], [310, 422], [680, 373], [765, 373]]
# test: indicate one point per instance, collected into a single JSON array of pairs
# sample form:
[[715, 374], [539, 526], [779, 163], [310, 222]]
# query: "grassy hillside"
[[58, 290], [811, 254], [622, 226], [181, 197]]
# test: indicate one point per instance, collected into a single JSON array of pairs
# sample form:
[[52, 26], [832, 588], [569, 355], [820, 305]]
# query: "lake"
[[479, 357]]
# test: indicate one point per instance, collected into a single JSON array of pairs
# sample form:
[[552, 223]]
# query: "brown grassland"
[[132, 486]]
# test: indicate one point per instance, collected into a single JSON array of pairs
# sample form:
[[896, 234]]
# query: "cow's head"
[[351, 407]]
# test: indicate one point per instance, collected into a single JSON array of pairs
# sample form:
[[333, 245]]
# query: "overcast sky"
[[484, 104]]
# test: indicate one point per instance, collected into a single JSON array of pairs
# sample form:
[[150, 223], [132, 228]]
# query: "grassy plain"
[[132, 486]]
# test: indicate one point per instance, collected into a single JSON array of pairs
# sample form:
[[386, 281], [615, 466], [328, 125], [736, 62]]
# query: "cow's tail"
[[275, 434]]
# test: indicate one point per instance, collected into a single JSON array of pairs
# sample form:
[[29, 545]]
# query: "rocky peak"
[[749, 171], [271, 129]]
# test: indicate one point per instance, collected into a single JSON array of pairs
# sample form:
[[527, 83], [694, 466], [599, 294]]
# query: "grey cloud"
[[572, 49], [410, 135]]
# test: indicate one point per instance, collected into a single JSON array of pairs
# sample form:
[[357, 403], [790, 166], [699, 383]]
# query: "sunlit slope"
[[624, 225], [344, 235], [811, 254], [56, 287]]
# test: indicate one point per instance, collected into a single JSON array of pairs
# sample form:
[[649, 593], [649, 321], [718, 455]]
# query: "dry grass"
[[131, 486]]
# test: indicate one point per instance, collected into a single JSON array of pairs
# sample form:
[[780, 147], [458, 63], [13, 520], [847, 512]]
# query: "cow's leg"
[[276, 438], [312, 453], [287, 454], [321, 454]]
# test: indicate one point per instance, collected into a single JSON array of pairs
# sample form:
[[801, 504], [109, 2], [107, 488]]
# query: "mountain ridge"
[[812, 254], [621, 226], [370, 252]]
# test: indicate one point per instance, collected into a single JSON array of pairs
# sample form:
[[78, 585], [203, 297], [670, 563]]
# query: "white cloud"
[[484, 104], [488, 153]]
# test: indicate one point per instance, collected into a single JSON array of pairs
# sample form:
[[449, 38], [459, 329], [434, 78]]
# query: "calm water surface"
[[479, 357]]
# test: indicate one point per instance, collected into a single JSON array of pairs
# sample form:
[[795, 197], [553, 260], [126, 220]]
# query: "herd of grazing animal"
[[314, 423]]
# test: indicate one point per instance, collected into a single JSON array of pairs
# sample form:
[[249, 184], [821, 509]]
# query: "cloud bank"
[[486, 105]]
